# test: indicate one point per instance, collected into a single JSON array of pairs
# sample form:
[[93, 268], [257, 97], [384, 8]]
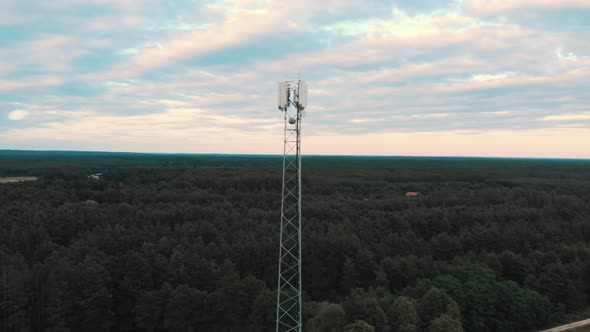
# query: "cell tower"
[[292, 101]]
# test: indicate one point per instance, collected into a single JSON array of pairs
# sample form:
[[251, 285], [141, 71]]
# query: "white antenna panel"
[[282, 102], [302, 100]]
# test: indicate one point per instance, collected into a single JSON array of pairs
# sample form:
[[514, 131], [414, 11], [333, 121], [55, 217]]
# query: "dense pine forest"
[[190, 243]]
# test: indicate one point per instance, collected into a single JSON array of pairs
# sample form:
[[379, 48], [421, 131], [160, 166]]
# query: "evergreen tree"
[[329, 318], [359, 326], [435, 303], [149, 311], [402, 314], [445, 323], [263, 314], [187, 310]]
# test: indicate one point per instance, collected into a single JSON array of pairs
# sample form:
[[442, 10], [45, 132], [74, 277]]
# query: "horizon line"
[[303, 155]]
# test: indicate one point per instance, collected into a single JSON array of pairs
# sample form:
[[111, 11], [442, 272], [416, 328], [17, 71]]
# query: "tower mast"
[[292, 101]]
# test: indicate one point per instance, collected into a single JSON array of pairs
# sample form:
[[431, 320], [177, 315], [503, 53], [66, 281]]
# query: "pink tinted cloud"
[[395, 47], [51, 54], [437, 87], [30, 82], [123, 4], [237, 23], [240, 27], [551, 143], [102, 24]]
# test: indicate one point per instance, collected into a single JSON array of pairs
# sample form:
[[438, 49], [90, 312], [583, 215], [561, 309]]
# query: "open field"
[[12, 179]]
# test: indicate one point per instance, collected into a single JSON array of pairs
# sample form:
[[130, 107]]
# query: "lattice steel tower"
[[292, 101]]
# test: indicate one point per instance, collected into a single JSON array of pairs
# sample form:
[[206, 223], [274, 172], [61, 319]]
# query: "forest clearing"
[[13, 179]]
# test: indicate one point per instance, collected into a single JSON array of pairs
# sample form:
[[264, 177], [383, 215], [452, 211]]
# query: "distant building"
[[97, 176], [413, 194]]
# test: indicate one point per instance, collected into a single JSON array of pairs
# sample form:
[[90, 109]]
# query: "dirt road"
[[569, 327]]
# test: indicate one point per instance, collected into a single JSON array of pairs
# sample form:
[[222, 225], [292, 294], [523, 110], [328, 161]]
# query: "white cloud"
[[403, 25], [366, 120], [422, 116], [432, 116], [115, 83], [491, 77], [571, 57], [493, 7], [17, 115], [129, 51], [566, 117], [496, 113]]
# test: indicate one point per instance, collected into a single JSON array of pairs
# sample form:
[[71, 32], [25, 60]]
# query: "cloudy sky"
[[429, 77]]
